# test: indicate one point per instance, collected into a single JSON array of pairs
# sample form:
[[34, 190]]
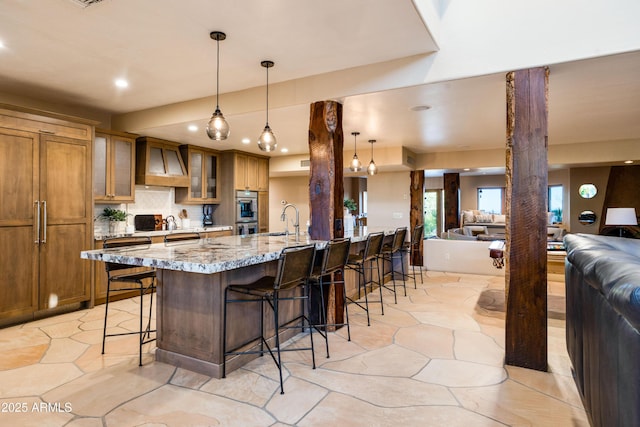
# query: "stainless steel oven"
[[244, 228], [246, 206]]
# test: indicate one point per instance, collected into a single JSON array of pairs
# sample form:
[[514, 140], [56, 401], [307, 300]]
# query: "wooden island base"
[[189, 318]]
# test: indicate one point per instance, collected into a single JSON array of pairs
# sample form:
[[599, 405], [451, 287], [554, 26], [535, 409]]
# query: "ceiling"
[[69, 55]]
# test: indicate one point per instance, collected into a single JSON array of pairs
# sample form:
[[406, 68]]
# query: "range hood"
[[159, 162]]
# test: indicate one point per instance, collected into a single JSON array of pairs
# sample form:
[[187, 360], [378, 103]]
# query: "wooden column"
[[451, 200], [326, 186], [416, 214], [526, 230]]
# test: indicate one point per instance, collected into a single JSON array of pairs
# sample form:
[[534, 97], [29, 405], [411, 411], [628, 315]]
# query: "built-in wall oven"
[[246, 212]]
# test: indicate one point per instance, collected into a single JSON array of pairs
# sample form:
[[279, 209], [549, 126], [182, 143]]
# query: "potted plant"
[[350, 205], [116, 217]]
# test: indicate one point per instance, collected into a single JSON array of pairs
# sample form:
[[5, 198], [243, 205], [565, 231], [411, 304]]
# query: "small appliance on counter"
[[207, 215], [147, 222]]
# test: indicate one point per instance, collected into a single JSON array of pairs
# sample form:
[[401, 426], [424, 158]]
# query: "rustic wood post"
[[416, 214], [451, 201], [326, 186], [526, 231]]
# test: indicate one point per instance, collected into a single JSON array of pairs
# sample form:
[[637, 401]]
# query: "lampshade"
[[218, 128], [621, 216], [267, 140], [372, 169], [356, 165]]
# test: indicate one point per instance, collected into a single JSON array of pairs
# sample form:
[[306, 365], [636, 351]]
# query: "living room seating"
[[602, 276]]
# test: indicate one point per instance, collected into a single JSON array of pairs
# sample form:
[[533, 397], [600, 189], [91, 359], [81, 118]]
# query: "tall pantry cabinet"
[[45, 212]]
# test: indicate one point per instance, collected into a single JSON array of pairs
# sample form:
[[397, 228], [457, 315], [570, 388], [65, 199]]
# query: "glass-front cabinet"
[[113, 167], [204, 176]]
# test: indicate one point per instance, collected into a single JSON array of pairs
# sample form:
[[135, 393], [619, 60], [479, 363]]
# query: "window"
[[491, 200], [432, 213], [555, 203]]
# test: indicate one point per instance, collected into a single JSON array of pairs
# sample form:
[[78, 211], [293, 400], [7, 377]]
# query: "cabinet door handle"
[[44, 222], [37, 208]]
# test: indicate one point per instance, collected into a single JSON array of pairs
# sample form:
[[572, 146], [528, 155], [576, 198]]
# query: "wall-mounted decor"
[[587, 191]]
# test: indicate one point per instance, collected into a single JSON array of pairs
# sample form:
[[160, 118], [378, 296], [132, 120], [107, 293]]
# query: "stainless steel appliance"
[[246, 212], [246, 206], [244, 228]]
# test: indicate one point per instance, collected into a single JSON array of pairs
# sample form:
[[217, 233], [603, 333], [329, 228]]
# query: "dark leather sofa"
[[603, 325]]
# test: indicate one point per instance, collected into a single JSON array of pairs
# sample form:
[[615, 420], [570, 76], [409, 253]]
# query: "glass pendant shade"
[[267, 140], [372, 169], [218, 128], [355, 162], [356, 165]]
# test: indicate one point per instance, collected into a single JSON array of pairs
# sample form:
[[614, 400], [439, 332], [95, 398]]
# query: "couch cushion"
[[501, 219], [624, 297], [484, 218]]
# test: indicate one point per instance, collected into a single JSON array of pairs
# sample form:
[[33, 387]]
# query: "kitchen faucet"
[[283, 217]]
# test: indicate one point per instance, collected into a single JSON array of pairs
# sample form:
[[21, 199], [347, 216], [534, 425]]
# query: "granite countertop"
[[98, 236], [214, 255], [208, 255]]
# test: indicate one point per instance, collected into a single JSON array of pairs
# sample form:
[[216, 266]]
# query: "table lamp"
[[619, 217]]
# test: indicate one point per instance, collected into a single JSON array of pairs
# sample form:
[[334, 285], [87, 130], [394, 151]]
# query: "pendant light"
[[372, 169], [356, 165], [267, 140], [218, 128]]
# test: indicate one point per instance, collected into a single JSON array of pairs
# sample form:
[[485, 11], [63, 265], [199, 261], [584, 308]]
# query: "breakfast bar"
[[191, 279]]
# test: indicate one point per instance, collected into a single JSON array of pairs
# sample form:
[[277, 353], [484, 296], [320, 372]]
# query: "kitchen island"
[[192, 277]]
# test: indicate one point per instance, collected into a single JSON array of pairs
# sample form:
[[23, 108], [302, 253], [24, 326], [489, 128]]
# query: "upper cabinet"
[[204, 176], [113, 167], [251, 173], [158, 162]]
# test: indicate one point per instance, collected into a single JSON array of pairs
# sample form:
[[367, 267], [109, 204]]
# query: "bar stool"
[[294, 268], [181, 237], [134, 281], [389, 252], [363, 262], [333, 261], [412, 247]]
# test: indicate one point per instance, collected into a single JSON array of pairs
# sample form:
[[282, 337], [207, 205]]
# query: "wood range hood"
[[159, 162]]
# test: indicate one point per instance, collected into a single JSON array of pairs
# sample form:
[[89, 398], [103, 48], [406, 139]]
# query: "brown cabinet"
[[251, 173], [263, 174], [263, 211], [159, 162], [46, 212], [203, 166], [114, 167]]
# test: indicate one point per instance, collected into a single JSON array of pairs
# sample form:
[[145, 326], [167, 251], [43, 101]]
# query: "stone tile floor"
[[434, 359]]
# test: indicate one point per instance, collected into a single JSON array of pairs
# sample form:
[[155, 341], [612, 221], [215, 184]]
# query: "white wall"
[[389, 200], [293, 189]]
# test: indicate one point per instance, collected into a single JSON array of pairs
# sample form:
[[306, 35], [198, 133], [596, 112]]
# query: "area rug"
[[491, 303]]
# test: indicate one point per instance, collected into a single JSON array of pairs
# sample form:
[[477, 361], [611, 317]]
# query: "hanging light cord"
[[218, 73], [267, 95]]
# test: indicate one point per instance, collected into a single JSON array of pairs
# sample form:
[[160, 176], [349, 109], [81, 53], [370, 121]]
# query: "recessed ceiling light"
[[466, 169], [420, 108], [628, 162], [122, 83], [192, 128], [284, 150], [246, 141]]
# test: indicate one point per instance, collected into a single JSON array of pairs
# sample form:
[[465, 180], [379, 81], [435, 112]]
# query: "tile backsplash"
[[151, 200]]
